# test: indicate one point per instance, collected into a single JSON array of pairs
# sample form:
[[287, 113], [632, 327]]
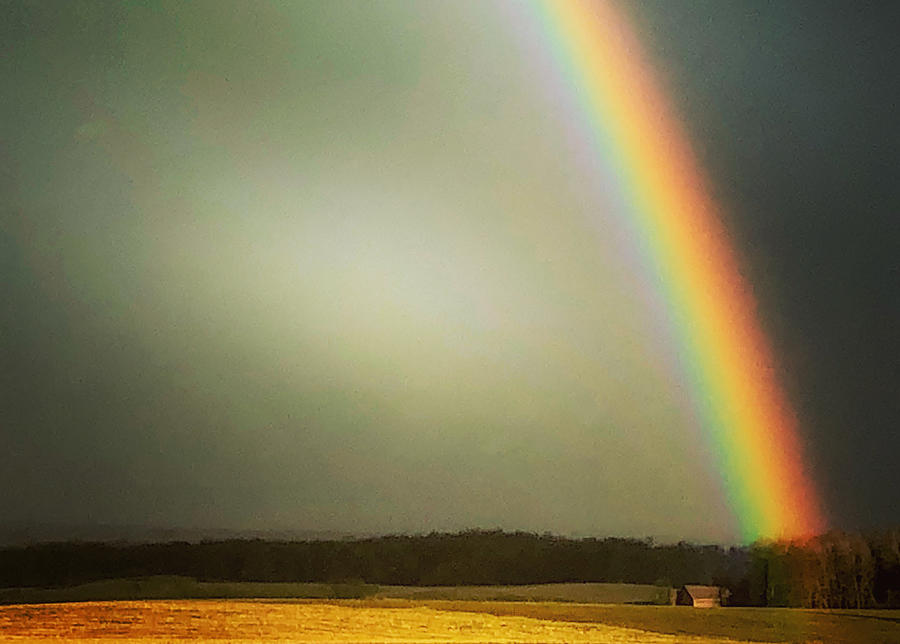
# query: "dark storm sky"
[[792, 108], [322, 266]]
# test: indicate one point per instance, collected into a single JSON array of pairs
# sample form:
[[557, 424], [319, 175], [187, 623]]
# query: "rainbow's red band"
[[746, 414]]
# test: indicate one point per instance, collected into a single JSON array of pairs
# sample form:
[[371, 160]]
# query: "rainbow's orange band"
[[746, 415]]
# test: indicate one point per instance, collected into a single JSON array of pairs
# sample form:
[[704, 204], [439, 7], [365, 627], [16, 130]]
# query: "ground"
[[395, 620]]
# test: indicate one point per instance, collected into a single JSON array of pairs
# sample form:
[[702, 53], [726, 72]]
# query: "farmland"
[[176, 587], [298, 622], [755, 624], [596, 593], [398, 620]]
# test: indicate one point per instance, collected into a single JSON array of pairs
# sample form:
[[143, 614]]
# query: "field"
[[395, 620], [298, 622], [754, 624], [595, 593], [172, 587]]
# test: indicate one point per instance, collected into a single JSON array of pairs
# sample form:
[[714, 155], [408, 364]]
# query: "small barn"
[[699, 596]]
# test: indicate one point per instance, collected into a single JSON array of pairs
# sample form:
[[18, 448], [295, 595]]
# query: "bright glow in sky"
[[328, 266]]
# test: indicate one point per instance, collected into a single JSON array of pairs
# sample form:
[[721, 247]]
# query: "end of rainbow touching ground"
[[748, 420]]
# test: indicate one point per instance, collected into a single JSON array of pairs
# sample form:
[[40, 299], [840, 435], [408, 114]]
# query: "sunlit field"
[[432, 621], [296, 622]]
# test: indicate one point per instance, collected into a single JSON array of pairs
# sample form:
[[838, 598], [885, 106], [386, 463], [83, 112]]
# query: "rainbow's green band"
[[746, 415]]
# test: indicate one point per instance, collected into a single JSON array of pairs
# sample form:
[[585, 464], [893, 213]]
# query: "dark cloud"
[[790, 105]]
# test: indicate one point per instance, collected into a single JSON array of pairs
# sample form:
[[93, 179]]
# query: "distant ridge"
[[23, 534]]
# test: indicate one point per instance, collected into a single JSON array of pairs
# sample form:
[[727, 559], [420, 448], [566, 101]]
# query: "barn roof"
[[702, 592]]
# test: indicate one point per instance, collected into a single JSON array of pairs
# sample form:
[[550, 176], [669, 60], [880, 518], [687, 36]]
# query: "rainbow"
[[746, 416]]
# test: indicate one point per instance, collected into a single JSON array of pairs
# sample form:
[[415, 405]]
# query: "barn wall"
[[706, 603]]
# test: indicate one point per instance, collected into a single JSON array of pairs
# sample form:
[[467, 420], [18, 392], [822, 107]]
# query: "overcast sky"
[[335, 266]]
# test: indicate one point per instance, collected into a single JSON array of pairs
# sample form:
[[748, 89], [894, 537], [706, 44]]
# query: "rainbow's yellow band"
[[746, 415]]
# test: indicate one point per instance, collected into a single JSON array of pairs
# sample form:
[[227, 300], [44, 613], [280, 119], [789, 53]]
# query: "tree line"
[[835, 570]]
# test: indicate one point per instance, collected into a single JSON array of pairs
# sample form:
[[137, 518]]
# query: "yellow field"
[[236, 620]]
